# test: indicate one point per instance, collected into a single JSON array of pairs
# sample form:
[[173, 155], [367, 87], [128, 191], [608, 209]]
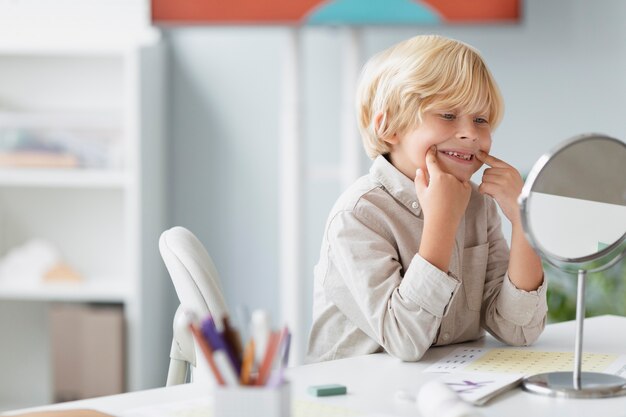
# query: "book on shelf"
[[34, 159]]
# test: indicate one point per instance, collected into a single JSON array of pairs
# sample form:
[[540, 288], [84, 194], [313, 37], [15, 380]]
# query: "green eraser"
[[326, 390]]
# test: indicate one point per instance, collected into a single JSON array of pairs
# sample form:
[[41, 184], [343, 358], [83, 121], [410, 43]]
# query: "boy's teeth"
[[458, 155]]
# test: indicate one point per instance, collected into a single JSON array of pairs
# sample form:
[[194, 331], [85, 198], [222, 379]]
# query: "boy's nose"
[[467, 131]]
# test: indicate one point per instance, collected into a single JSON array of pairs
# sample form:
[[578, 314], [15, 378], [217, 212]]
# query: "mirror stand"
[[578, 384]]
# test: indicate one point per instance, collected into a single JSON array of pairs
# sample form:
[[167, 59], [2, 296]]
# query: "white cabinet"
[[104, 209]]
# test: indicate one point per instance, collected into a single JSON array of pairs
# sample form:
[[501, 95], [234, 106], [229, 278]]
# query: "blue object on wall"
[[373, 12]]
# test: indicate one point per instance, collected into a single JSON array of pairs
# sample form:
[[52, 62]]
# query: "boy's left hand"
[[502, 182]]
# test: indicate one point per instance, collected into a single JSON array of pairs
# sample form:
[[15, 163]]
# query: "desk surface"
[[372, 380]]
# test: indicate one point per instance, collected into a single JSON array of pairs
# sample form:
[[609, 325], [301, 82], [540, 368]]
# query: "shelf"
[[62, 178], [94, 119], [100, 95], [97, 291], [60, 43]]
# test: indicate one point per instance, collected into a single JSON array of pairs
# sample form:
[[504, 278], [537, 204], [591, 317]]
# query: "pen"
[[268, 360], [206, 350], [222, 360], [233, 344], [276, 379], [286, 351], [226, 368]]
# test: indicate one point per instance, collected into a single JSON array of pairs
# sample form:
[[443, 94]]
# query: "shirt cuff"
[[428, 286], [520, 307]]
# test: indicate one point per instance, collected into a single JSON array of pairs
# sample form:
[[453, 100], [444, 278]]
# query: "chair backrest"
[[197, 285]]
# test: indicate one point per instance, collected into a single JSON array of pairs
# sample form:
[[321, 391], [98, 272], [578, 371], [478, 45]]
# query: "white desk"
[[372, 380]]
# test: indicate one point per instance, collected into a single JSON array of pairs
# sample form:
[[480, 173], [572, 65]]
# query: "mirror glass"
[[577, 202]]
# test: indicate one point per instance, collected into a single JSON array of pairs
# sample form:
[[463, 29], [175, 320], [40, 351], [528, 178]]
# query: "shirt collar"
[[396, 183]]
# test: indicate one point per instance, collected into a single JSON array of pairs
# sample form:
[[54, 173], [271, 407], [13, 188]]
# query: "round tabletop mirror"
[[574, 202], [573, 208]]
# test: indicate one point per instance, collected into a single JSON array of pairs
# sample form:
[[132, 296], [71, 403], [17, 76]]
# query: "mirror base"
[[561, 384]]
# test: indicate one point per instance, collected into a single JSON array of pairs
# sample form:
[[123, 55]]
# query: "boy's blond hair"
[[420, 74]]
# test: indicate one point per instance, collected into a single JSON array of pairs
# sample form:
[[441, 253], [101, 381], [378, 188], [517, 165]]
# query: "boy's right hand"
[[442, 196]]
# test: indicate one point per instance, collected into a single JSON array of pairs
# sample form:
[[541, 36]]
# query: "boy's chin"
[[461, 173], [462, 177]]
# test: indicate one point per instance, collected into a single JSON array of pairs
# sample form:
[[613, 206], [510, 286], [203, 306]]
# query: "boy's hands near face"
[[442, 196], [502, 182], [443, 199]]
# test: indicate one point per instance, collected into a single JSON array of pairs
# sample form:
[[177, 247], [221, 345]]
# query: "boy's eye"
[[448, 116], [481, 120]]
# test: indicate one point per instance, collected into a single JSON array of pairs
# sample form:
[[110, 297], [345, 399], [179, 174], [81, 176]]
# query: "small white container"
[[250, 401]]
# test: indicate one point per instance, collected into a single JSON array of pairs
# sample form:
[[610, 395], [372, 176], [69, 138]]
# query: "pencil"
[[268, 360], [233, 344], [208, 353], [247, 363]]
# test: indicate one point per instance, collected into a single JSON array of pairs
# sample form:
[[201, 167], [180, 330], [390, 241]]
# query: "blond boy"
[[413, 253]]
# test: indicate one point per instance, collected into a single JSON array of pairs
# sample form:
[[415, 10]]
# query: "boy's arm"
[[514, 307], [525, 269], [504, 184], [443, 199], [514, 316], [401, 309]]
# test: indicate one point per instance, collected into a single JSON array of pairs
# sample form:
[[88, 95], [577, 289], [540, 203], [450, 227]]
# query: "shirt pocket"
[[473, 278]]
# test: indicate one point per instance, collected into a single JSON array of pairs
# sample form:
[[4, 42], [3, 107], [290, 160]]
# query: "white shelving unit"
[[105, 220]]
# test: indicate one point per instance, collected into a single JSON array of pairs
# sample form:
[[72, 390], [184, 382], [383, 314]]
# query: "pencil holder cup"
[[247, 401]]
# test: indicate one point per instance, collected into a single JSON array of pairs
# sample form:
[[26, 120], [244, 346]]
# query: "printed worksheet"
[[526, 362]]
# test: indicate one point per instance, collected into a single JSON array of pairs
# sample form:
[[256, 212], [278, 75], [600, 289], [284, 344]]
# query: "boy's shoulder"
[[350, 198], [368, 193]]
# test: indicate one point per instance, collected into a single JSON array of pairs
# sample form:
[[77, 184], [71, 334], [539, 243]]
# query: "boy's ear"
[[379, 121], [392, 140]]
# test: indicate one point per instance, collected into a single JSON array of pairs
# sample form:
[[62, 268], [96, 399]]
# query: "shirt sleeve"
[[400, 310], [512, 315]]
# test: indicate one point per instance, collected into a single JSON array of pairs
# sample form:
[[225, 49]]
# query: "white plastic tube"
[[436, 399]]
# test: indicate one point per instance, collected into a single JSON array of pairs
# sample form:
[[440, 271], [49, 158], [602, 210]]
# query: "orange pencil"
[[208, 352], [247, 363]]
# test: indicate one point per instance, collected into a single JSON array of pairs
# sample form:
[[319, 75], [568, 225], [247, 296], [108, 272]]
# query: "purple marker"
[[217, 342]]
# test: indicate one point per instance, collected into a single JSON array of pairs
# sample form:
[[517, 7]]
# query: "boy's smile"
[[459, 156], [457, 136], [461, 162]]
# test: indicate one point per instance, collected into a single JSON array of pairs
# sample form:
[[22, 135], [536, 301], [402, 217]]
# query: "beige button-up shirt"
[[374, 292]]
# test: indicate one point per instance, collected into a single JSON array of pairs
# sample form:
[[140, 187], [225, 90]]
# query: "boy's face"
[[457, 137]]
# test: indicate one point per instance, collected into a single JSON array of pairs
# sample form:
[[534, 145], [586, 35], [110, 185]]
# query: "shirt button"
[[414, 204], [446, 336]]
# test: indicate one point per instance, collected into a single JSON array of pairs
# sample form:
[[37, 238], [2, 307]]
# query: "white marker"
[[260, 328]]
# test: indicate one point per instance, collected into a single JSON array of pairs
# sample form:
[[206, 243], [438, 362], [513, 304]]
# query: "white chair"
[[198, 287]]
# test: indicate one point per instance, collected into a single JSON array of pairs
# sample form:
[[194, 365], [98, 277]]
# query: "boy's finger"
[[490, 160], [431, 160], [421, 182], [424, 172]]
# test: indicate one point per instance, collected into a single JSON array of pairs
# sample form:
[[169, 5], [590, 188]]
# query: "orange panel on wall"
[[357, 12]]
